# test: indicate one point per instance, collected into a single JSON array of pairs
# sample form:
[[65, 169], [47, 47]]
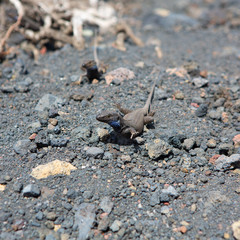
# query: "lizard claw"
[[134, 134]]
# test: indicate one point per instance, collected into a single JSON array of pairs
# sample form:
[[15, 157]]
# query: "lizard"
[[94, 69], [132, 122]]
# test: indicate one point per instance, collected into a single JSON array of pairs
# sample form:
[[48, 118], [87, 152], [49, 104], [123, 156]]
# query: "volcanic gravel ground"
[[178, 180]]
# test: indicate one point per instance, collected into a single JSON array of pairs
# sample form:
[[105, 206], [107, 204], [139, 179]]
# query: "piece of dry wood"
[[18, 5], [124, 27], [119, 43], [52, 34]]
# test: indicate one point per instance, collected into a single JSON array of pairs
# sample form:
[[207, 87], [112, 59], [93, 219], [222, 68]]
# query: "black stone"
[[202, 110]]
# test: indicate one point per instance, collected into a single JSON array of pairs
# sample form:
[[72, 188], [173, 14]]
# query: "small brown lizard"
[[94, 70], [132, 123]]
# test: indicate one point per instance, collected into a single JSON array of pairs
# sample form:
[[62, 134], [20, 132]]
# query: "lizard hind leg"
[[148, 119]]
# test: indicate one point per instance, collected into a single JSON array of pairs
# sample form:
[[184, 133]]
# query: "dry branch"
[[20, 10]]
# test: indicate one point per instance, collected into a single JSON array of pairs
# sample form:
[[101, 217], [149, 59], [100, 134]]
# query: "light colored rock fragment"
[[120, 74], [236, 229], [52, 168]]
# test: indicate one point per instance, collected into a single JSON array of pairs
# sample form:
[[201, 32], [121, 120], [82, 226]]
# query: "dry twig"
[[123, 27], [20, 10]]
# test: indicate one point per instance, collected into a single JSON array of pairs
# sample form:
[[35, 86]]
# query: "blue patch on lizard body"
[[115, 124]]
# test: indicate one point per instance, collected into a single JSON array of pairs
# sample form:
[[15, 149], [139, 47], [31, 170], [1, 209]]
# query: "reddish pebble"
[[208, 173], [214, 158], [33, 136], [103, 215], [236, 141], [225, 117], [203, 73], [183, 229], [43, 50], [194, 105]]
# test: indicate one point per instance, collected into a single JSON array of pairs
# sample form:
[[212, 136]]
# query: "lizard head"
[[108, 117], [111, 118]]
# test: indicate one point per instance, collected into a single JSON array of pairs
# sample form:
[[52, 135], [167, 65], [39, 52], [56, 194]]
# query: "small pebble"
[[179, 95], [31, 190], [211, 143], [95, 152], [116, 225]]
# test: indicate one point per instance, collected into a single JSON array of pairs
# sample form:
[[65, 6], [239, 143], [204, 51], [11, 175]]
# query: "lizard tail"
[[95, 49], [150, 97]]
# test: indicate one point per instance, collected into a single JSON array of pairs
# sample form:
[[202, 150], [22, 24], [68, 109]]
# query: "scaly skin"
[[132, 123]]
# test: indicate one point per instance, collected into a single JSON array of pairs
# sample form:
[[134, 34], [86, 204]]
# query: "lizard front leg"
[[152, 113], [122, 110], [130, 130]]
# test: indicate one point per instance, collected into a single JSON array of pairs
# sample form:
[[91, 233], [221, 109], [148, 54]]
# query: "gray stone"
[[31, 190], [48, 101], [189, 143], [61, 142], [185, 162], [84, 218], [161, 94], [7, 178], [67, 223], [171, 191], [71, 193], [81, 133], [226, 163], [103, 224], [4, 216], [200, 82], [67, 206], [106, 204], [28, 81], [42, 139], [225, 148], [236, 106], [159, 171], [198, 100], [197, 152], [155, 198], [140, 140], [215, 114], [34, 125], [88, 194], [219, 102], [24, 146], [50, 215], [17, 187], [95, 152], [164, 197], [116, 225], [172, 21], [21, 87], [50, 237], [7, 89], [235, 88], [165, 210], [201, 110], [8, 236], [107, 156], [52, 113], [39, 216], [158, 149]]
